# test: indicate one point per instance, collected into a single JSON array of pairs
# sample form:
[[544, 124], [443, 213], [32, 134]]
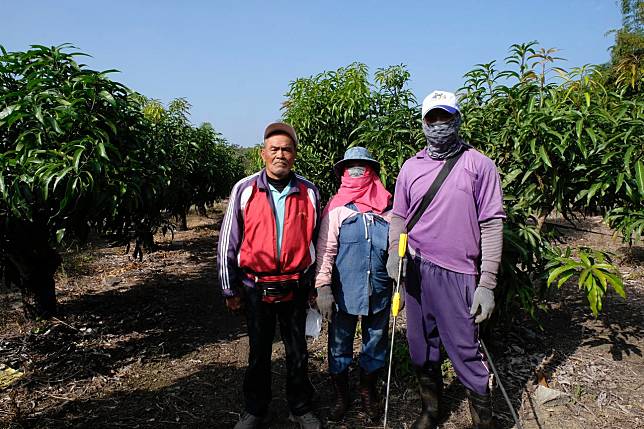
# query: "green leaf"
[[583, 276], [564, 279], [585, 260], [77, 156], [592, 191], [639, 176], [556, 272], [592, 135], [54, 125], [593, 297], [60, 234], [578, 127], [544, 156], [101, 150], [61, 175], [598, 274], [38, 114], [617, 284], [627, 159], [108, 97], [6, 112], [620, 182]]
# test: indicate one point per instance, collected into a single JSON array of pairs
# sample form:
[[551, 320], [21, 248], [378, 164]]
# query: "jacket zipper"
[[277, 253]]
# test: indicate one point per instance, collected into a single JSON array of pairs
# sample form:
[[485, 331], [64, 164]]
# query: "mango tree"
[[64, 135], [325, 110], [201, 166], [569, 146], [79, 153], [335, 110]]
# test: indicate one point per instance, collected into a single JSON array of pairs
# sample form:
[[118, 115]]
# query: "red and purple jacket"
[[248, 240]]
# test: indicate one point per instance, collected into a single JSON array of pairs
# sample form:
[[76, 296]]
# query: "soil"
[[150, 345]]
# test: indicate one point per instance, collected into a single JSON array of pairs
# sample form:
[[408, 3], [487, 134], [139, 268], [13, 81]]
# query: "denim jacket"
[[352, 258]]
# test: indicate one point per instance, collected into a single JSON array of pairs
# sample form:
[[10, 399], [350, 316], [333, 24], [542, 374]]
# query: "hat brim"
[[449, 109], [338, 168]]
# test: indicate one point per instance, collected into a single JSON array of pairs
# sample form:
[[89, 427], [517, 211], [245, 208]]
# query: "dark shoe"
[[481, 410], [250, 421], [430, 384], [341, 401], [369, 394], [306, 421]]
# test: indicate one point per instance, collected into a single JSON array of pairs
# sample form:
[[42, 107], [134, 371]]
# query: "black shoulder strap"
[[433, 189]]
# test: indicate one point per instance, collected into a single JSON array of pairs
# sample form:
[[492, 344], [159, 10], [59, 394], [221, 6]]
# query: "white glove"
[[483, 298]]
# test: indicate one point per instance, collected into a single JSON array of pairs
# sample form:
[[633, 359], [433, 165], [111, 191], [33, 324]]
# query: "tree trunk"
[[32, 263], [183, 220], [543, 216]]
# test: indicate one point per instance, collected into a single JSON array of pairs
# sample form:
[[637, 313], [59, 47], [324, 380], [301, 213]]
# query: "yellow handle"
[[395, 304], [402, 245]]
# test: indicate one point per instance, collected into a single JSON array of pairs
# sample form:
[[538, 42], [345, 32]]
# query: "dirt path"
[[150, 344]]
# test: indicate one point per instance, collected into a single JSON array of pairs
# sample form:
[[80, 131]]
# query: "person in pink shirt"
[[352, 280], [455, 252]]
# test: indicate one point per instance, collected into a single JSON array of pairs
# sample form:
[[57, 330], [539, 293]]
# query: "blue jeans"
[[342, 329]]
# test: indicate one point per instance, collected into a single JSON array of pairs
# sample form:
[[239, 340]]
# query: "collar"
[[262, 183]]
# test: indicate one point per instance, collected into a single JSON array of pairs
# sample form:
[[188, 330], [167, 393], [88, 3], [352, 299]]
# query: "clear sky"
[[234, 60]]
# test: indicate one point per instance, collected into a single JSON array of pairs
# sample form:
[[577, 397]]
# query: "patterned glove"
[[483, 298], [325, 301]]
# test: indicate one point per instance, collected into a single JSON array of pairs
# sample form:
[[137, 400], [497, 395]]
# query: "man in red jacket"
[[265, 259]]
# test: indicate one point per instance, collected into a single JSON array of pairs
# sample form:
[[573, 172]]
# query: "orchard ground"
[[150, 344]]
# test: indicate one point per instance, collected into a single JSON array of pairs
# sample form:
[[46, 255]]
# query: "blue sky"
[[233, 61]]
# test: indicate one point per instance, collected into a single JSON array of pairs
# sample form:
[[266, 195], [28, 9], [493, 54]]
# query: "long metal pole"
[[498, 380], [395, 307]]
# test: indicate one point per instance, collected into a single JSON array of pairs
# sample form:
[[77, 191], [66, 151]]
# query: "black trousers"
[[261, 319]]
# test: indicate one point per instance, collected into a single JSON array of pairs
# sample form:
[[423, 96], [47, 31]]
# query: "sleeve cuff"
[[228, 293], [487, 280]]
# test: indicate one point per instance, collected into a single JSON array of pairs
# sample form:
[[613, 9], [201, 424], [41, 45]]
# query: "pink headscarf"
[[366, 192]]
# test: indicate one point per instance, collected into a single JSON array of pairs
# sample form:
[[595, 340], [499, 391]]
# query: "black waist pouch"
[[274, 292]]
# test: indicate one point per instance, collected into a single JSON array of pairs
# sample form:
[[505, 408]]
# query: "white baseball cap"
[[441, 100]]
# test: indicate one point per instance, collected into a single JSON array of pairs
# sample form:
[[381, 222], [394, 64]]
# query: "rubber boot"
[[340, 405], [430, 383], [369, 394], [481, 410]]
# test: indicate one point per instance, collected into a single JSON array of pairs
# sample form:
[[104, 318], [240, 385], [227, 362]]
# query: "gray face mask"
[[442, 138], [356, 171]]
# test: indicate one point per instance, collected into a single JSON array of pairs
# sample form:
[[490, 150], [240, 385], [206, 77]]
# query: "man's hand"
[[325, 301], [483, 298], [234, 304]]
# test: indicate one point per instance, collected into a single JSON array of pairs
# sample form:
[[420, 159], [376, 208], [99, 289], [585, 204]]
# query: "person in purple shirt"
[[455, 252]]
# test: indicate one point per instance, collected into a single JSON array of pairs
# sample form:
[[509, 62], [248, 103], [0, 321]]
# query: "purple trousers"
[[437, 302]]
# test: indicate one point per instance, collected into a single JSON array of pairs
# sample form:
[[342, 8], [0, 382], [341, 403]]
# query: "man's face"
[[278, 155], [437, 116]]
